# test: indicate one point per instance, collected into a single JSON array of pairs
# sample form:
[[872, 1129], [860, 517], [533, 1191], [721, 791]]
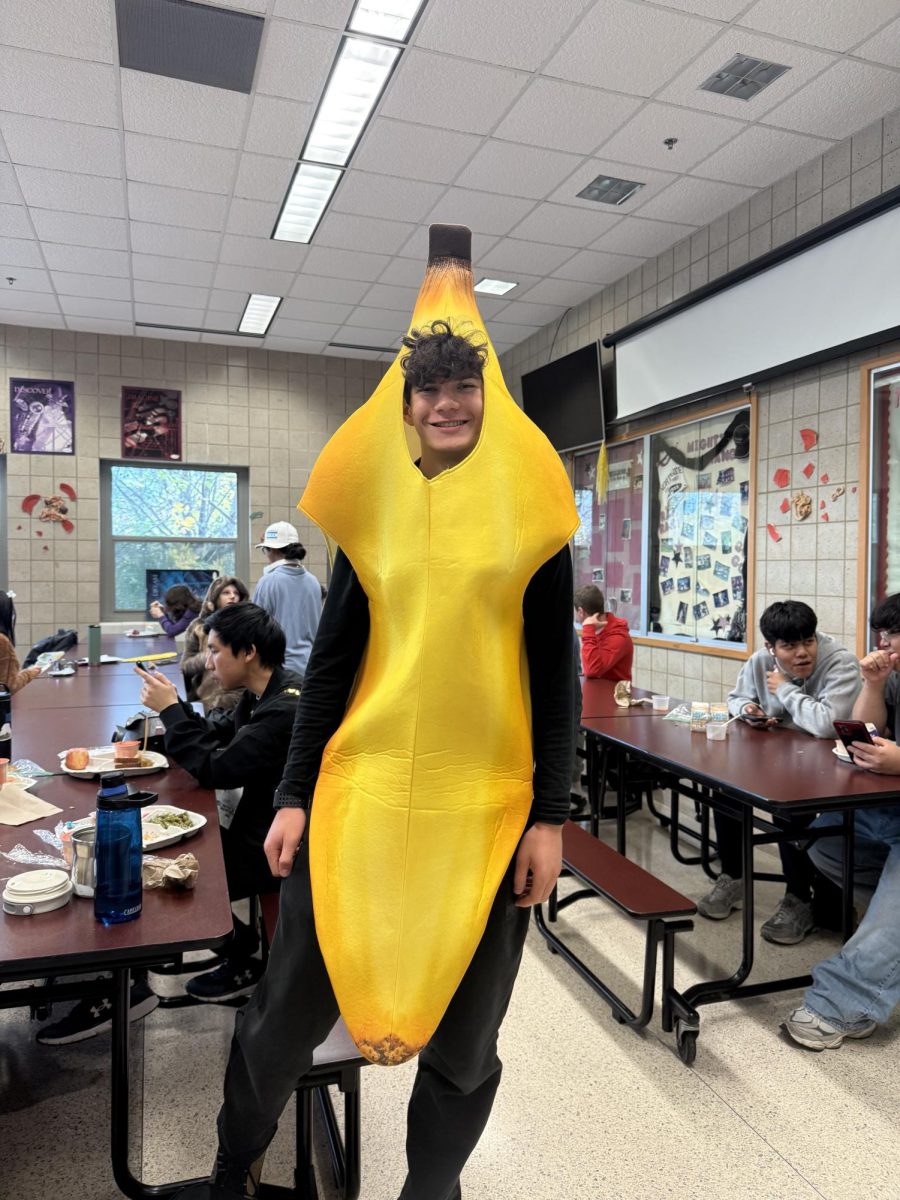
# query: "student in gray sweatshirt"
[[801, 680], [289, 593]]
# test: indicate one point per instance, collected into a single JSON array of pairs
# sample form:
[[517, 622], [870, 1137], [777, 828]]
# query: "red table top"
[[597, 700]]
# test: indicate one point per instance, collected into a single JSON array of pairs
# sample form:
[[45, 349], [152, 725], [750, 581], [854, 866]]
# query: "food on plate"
[[77, 758], [171, 820]]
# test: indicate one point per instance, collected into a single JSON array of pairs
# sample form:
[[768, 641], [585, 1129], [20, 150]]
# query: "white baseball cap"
[[279, 535]]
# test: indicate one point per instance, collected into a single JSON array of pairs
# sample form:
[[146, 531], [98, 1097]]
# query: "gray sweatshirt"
[[810, 704], [293, 597]]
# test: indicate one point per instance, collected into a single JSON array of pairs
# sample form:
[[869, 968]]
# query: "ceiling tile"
[[295, 60], [845, 98], [506, 332], [172, 270], [72, 28], [165, 314], [14, 221], [82, 261], [384, 295], [642, 237], [310, 330], [535, 258], [66, 88], [567, 292], [261, 177], [833, 24], [252, 279], [262, 252], [72, 193], [149, 238], [220, 319], [175, 108], [359, 335], [340, 291], [92, 325], [344, 264], [226, 304], [440, 154], [292, 345], [149, 292], [653, 181], [721, 10], [439, 91], [759, 156], [78, 229], [102, 287], [513, 169], [392, 321], [640, 141], [89, 306], [176, 206], [9, 186], [416, 252], [565, 225], [29, 279], [277, 127], [804, 63], [62, 145], [334, 14], [347, 232], [409, 272], [370, 195], [20, 252], [532, 314], [884, 47], [482, 212], [597, 268], [26, 302], [642, 47], [314, 310], [698, 200], [565, 116], [179, 164], [252, 218], [523, 40]]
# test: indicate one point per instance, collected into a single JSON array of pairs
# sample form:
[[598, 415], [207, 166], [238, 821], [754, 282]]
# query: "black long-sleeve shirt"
[[338, 650]]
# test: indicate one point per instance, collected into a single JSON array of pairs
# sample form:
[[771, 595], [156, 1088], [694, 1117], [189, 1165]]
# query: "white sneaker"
[[814, 1032], [727, 895]]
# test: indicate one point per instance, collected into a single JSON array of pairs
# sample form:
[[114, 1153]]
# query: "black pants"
[[802, 878], [294, 1009]]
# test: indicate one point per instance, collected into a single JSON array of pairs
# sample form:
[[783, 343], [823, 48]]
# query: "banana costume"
[[425, 788]]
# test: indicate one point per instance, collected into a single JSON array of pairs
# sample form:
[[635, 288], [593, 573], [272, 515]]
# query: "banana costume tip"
[[449, 241]]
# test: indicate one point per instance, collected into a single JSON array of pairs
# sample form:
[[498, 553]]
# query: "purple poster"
[[42, 416]]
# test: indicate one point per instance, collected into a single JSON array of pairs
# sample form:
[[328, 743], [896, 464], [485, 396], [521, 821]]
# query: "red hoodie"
[[607, 653]]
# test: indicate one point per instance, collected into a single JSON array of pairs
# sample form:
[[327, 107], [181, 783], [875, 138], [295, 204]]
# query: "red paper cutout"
[[68, 490], [67, 526], [824, 516], [29, 503], [821, 504], [45, 546], [853, 489], [39, 532], [810, 437], [824, 479], [782, 477], [808, 469], [785, 505], [773, 533]]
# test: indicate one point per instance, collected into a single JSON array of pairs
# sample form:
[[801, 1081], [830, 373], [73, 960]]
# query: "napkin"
[[17, 807]]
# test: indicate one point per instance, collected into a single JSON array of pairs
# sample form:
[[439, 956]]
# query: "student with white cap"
[[289, 593]]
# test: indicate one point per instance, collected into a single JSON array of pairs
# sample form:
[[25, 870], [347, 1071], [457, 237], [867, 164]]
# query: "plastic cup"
[[126, 750], [716, 731], [660, 703]]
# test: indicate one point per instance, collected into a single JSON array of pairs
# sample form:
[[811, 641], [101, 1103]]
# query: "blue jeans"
[[861, 983]]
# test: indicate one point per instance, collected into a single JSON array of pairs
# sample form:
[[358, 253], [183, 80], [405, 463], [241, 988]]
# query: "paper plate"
[[102, 759], [167, 836]]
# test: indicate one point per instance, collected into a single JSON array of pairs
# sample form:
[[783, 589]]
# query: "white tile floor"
[[587, 1107]]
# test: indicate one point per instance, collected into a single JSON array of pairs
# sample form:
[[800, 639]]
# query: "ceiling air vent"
[[743, 77], [607, 190]]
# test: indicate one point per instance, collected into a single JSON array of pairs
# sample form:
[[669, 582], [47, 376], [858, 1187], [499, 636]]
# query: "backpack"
[[63, 639]]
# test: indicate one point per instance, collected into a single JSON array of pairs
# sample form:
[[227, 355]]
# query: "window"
[[883, 526], [669, 545], [167, 518]]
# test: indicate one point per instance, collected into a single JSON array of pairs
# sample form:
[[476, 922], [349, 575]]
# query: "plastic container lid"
[[33, 887]]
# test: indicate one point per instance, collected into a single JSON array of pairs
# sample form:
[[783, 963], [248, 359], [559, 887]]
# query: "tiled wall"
[[816, 560], [269, 411]]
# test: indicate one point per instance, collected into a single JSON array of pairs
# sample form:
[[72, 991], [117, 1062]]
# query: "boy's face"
[[797, 659], [447, 415], [230, 669]]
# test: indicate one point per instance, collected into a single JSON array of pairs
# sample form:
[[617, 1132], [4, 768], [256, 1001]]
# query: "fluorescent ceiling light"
[[743, 77], [357, 81], [307, 199], [606, 189], [258, 313], [388, 19], [494, 287]]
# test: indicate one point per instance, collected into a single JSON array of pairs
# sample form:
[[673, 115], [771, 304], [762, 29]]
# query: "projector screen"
[[845, 288]]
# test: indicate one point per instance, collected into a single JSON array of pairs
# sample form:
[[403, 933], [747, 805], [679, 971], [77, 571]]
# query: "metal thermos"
[[83, 861], [93, 645]]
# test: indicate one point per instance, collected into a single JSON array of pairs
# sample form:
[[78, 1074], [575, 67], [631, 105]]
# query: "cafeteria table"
[[778, 771], [69, 941], [597, 700]]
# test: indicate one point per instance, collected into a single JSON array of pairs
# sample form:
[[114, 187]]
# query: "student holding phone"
[[856, 989], [805, 680]]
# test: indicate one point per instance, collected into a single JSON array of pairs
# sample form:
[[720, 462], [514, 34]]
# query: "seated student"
[[179, 607], [12, 677], [857, 989], [606, 646], [801, 680], [199, 682], [247, 749]]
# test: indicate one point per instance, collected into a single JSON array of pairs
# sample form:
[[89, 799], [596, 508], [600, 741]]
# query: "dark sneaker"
[[791, 921], [227, 982], [814, 1032], [227, 1182], [90, 1017], [578, 806], [728, 894]]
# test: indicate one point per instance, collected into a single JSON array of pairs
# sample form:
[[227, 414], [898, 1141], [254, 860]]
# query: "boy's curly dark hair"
[[436, 353]]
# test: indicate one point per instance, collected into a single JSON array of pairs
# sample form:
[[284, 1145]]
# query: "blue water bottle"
[[119, 850]]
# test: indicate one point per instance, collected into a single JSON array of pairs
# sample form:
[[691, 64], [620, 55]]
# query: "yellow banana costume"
[[425, 788]]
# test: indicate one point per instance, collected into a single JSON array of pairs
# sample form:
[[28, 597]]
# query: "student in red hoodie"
[[606, 645]]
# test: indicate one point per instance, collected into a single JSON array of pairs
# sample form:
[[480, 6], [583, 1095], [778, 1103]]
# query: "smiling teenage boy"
[[802, 680]]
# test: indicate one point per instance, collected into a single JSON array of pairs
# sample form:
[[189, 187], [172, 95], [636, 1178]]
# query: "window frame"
[[108, 542], [865, 564]]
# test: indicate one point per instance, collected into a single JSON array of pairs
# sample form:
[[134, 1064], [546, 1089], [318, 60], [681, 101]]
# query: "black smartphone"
[[852, 731]]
